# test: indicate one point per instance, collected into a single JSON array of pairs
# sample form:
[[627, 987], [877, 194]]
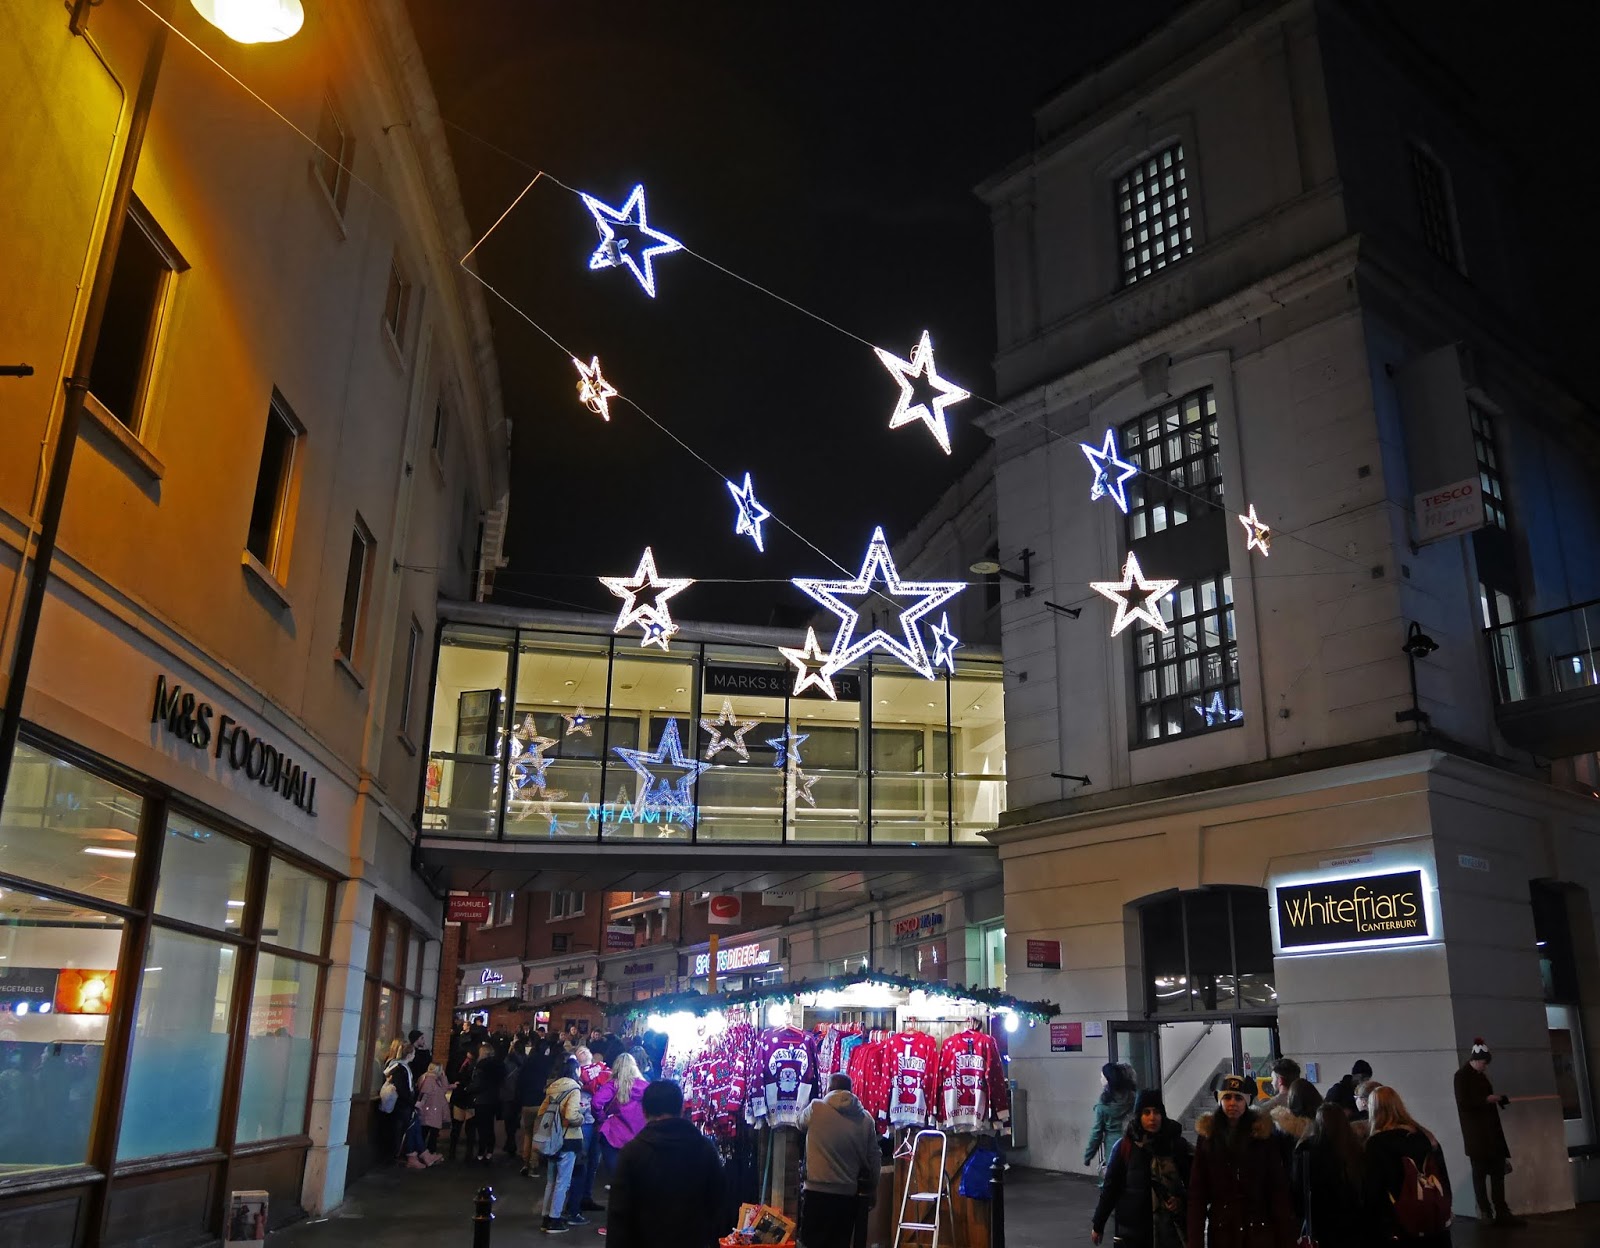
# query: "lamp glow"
[[253, 21], [1102, 460], [1119, 592], [921, 365], [614, 252]]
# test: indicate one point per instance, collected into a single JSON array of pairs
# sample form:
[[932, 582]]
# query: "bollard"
[[482, 1217], [997, 1199]]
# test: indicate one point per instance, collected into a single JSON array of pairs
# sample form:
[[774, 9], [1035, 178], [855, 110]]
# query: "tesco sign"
[[1449, 510]]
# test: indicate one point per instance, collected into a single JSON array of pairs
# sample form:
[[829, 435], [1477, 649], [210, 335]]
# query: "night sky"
[[827, 152]]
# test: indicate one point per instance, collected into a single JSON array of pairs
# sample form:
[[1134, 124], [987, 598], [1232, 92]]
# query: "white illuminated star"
[[751, 513], [614, 251], [1102, 460], [594, 391], [808, 656], [1151, 592], [645, 597], [1260, 536], [801, 785], [879, 567], [734, 740], [578, 722], [1218, 711], [944, 643], [921, 365], [673, 798]]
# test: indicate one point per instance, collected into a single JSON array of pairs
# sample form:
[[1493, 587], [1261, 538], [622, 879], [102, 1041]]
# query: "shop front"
[[640, 974], [567, 976], [742, 964]]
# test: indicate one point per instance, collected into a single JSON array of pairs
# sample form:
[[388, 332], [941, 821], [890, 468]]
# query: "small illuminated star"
[[751, 513], [1152, 593], [734, 740], [944, 643], [788, 746], [1218, 711], [802, 787], [810, 655], [921, 365], [645, 597], [594, 391], [578, 722], [626, 252], [1260, 536], [1102, 461]]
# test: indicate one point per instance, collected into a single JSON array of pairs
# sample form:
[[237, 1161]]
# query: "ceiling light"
[[102, 851], [679, 689], [570, 683], [930, 704], [253, 21], [237, 905]]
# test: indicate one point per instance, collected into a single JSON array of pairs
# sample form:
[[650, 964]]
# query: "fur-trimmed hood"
[[1216, 1124], [1289, 1123]]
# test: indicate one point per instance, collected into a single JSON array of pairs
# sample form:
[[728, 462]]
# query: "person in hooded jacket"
[[1396, 1137], [1326, 1180], [1147, 1181], [1293, 1119], [668, 1190], [1111, 1113], [1238, 1191], [1343, 1093], [842, 1163], [565, 1096]]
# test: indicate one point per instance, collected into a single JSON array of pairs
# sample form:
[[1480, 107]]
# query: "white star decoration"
[[578, 722], [1102, 461], [1218, 711], [1119, 592], [672, 797], [652, 613], [879, 565], [612, 251], [944, 643], [800, 784], [921, 364], [594, 391], [734, 740], [751, 513], [808, 656], [1259, 535]]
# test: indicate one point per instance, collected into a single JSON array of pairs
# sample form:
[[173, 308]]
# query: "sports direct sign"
[[1449, 510], [739, 958]]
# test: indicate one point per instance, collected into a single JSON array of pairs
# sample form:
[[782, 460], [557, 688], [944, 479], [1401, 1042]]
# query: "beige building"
[[292, 442]]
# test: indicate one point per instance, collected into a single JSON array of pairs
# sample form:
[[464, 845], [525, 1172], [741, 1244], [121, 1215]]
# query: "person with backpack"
[[1111, 1114], [558, 1136], [1147, 1180], [1238, 1191], [398, 1099], [591, 1076], [1479, 1106], [1325, 1179], [531, 1081], [1406, 1187]]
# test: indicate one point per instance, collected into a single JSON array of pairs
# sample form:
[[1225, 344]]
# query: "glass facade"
[[604, 740]]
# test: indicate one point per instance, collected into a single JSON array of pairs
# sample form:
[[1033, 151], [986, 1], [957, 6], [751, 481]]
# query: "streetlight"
[[1418, 645], [991, 567], [253, 21]]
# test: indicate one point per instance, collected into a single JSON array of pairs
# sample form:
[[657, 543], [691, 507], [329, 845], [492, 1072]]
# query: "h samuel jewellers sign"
[[1352, 912]]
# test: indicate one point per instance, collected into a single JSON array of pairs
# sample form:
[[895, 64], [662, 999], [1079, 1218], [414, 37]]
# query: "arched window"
[[1208, 951]]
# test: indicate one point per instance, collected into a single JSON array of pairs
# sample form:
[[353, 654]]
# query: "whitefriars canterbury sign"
[[1368, 909]]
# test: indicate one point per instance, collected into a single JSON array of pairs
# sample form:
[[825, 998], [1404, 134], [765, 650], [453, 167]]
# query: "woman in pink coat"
[[433, 1102], [619, 1109]]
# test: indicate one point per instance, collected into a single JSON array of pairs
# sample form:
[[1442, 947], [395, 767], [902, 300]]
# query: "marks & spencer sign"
[[195, 723], [1364, 910]]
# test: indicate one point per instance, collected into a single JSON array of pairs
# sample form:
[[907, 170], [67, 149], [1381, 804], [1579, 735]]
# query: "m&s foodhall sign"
[[1367, 910]]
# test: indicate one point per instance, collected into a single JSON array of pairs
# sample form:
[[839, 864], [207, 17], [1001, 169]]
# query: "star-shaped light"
[[802, 787], [1218, 711], [921, 365], [732, 741], [1151, 594], [808, 656], [594, 391], [1103, 461], [545, 809], [879, 566], [751, 513], [672, 797], [528, 767], [944, 643], [645, 597], [788, 746], [1260, 536], [578, 722], [635, 253]]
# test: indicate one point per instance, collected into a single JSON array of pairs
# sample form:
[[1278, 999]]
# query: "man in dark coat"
[[668, 1188], [1238, 1187], [1479, 1108], [1343, 1093]]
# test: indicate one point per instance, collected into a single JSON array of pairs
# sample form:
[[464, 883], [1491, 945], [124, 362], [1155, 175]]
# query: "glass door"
[[1256, 1041], [1139, 1046]]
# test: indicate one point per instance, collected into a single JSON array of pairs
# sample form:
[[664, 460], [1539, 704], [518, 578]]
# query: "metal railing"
[[1550, 653]]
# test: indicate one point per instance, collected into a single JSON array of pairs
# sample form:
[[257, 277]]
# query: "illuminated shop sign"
[[27, 990], [1351, 912], [491, 976], [764, 682], [739, 958], [918, 925], [189, 719]]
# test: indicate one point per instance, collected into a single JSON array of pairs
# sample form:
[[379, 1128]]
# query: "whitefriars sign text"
[[1367, 910]]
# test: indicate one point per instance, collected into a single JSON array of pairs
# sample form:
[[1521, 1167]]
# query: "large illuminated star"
[[809, 656], [879, 567], [594, 391], [645, 597], [1102, 461], [751, 513], [944, 643], [921, 365], [670, 796], [627, 252], [1218, 711], [788, 746], [732, 741], [1151, 592], [1259, 535]]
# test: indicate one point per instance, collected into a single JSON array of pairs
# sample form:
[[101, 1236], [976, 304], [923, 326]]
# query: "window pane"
[[180, 1047], [653, 693], [296, 909], [137, 276], [277, 1059], [203, 875], [469, 716], [1210, 950], [558, 736], [63, 825], [355, 574], [1161, 926], [272, 479], [390, 970]]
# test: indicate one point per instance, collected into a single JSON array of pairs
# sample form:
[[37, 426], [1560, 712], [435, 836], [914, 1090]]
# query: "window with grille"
[[1489, 478], [1435, 208], [1176, 448], [1153, 226], [1186, 680]]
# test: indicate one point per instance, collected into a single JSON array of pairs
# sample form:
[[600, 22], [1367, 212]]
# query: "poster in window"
[[247, 1219]]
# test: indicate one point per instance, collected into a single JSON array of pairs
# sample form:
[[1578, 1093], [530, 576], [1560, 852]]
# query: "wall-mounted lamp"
[[989, 567], [1418, 645], [1083, 781]]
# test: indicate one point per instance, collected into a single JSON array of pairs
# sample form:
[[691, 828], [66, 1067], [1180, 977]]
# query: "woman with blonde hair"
[[1406, 1184], [619, 1108]]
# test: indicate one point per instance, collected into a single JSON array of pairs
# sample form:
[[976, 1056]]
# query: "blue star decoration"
[[788, 746], [1218, 711], [944, 643], [879, 577], [638, 245], [751, 513], [1102, 461], [673, 797]]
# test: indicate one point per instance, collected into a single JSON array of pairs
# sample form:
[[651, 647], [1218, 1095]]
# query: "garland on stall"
[[700, 1003]]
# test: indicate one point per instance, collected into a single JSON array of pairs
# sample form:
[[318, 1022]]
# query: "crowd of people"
[[1346, 1170]]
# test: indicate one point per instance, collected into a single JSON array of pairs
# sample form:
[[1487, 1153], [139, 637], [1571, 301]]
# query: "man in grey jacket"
[[842, 1161]]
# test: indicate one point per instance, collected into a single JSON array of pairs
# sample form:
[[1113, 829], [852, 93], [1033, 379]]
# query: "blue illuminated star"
[[751, 513], [944, 643], [668, 795], [628, 252], [1102, 461], [879, 567], [1218, 711], [788, 746]]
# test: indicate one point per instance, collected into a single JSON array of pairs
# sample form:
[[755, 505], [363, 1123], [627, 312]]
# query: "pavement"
[[398, 1208]]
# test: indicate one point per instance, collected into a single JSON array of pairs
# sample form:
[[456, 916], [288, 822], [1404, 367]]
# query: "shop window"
[[1208, 951], [142, 280], [390, 1003], [462, 796], [296, 912], [266, 540], [1554, 906], [64, 825], [994, 958], [203, 876], [978, 749], [278, 1053]]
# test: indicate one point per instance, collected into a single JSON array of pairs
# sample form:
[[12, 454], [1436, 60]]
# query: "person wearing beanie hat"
[[1343, 1093], [1238, 1189], [1111, 1114], [1147, 1180], [1479, 1106]]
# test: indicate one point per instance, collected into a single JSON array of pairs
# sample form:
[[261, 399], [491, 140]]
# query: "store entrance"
[[1185, 1058]]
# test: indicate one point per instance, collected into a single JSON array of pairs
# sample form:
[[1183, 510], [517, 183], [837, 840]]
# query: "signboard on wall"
[[1044, 955], [738, 958], [468, 908], [773, 682], [1448, 510], [918, 925], [1361, 910], [619, 936], [725, 909], [1066, 1037]]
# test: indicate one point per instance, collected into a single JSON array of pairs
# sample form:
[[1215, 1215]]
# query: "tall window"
[[1153, 227], [409, 683], [1176, 446], [1435, 206], [565, 905], [397, 303], [1186, 680], [142, 279], [269, 511], [1207, 951], [357, 575], [441, 430], [1489, 478], [335, 155], [394, 989], [502, 908]]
